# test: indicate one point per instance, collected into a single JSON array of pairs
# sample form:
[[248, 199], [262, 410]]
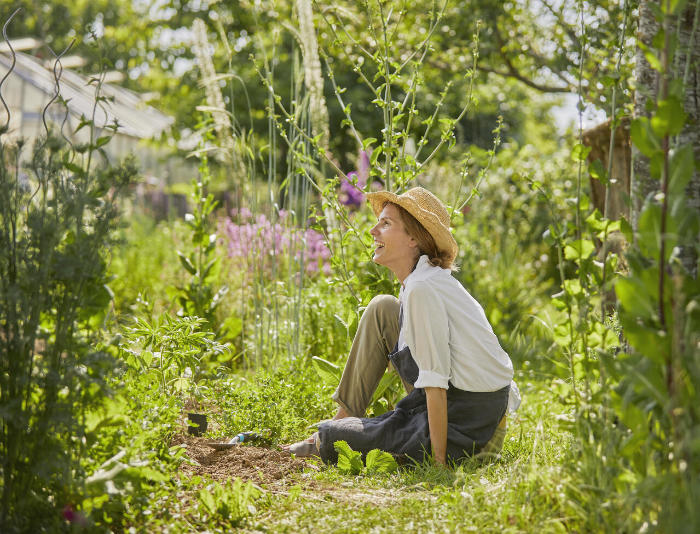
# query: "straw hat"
[[426, 208]]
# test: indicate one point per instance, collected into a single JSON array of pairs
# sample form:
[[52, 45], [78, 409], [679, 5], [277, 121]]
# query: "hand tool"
[[233, 442]]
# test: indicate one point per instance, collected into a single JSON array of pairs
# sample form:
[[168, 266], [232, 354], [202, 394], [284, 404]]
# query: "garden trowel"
[[235, 441]]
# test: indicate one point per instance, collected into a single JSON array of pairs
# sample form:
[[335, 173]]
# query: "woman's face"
[[394, 248]]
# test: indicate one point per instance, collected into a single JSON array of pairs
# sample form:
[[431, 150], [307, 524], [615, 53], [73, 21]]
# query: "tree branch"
[[571, 32], [513, 73]]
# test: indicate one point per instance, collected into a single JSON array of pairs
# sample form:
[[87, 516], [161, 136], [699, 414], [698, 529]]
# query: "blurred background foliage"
[[528, 56], [272, 249]]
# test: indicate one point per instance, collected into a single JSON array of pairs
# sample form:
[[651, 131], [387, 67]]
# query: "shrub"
[[57, 221]]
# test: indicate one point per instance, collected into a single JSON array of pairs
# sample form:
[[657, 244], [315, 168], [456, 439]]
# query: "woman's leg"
[[376, 337], [377, 334]]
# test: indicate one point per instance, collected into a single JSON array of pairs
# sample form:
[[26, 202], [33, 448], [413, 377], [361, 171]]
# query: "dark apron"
[[472, 419]]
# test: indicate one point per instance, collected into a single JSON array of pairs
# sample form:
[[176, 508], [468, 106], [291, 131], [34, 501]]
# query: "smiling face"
[[394, 248]]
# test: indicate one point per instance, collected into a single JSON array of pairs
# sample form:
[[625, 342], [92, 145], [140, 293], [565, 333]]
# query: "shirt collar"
[[423, 271]]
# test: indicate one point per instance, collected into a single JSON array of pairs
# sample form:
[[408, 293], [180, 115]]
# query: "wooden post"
[[598, 139]]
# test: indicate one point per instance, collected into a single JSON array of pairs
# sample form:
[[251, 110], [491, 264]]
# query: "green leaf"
[[207, 268], [656, 165], [608, 228], [149, 474], [340, 320], [573, 287], [669, 118], [580, 152], [682, 166], [635, 297], [674, 6], [83, 123], [627, 230], [368, 142], [549, 236], [186, 263], [389, 380], [644, 137], [610, 80], [327, 371], [579, 249], [380, 462], [349, 461], [146, 358], [676, 88], [595, 221], [375, 156], [74, 168], [352, 327], [101, 141], [207, 499], [598, 172], [649, 54], [649, 230]]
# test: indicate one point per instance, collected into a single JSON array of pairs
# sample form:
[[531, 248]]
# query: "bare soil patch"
[[257, 464]]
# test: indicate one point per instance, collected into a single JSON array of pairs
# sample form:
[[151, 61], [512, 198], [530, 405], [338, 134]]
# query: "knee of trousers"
[[383, 308]]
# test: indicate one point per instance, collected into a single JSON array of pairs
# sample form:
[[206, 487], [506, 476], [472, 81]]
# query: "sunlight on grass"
[[524, 487]]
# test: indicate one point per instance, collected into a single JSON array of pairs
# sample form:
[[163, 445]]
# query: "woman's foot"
[[341, 414], [304, 449]]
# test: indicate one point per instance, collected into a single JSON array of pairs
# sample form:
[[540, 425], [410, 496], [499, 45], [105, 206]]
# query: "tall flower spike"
[[215, 100], [313, 79]]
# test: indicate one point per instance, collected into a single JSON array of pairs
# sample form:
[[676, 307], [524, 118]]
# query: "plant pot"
[[197, 423]]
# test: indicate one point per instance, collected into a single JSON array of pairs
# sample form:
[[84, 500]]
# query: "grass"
[[526, 490], [523, 491]]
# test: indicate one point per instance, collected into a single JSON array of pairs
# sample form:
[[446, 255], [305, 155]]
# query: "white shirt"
[[448, 335]]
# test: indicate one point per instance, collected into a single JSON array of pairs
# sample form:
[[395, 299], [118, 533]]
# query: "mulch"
[[256, 464]]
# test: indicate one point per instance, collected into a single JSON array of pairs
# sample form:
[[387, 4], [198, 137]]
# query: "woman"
[[435, 335]]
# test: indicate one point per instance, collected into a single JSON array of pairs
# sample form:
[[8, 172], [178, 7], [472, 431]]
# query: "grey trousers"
[[376, 337]]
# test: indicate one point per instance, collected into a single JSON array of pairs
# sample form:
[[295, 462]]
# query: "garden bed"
[[256, 464]]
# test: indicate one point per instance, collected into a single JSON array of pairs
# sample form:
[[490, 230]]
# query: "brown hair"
[[426, 243]]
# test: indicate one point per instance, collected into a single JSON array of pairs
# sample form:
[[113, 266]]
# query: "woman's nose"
[[373, 231]]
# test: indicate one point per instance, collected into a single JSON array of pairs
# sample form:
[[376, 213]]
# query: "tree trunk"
[[689, 69], [647, 86]]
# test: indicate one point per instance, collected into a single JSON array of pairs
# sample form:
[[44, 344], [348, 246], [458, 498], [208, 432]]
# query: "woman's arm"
[[437, 421]]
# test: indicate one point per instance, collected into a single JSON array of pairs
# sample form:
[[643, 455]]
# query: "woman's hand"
[[436, 399]]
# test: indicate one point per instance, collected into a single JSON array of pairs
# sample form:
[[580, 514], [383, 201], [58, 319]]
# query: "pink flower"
[[73, 516], [254, 241]]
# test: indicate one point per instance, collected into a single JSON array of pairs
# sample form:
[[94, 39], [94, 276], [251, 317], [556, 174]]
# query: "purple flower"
[[351, 188], [350, 195]]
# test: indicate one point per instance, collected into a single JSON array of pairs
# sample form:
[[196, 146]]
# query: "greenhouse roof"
[[134, 117]]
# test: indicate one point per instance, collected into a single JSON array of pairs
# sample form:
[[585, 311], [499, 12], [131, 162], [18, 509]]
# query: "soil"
[[257, 464]]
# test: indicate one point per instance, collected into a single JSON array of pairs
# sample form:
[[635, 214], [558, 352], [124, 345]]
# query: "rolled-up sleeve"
[[427, 336]]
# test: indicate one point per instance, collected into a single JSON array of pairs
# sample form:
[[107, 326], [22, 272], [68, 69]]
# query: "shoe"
[[304, 449]]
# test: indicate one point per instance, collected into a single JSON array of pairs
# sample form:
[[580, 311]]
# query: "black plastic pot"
[[197, 423]]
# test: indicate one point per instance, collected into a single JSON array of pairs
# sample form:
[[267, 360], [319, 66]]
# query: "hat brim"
[[442, 236]]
